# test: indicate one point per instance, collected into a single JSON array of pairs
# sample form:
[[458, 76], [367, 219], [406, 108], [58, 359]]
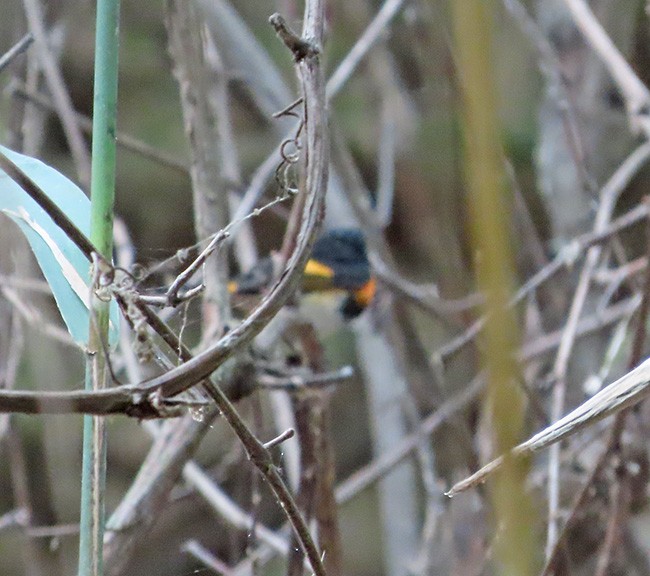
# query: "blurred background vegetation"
[[410, 86]]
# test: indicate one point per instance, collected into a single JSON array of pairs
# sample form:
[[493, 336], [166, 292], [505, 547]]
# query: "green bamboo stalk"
[[102, 197], [489, 209]]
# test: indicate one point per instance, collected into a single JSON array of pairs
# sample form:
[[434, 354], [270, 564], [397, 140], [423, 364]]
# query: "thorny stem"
[[262, 460]]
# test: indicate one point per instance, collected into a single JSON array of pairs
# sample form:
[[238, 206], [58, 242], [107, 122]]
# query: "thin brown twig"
[[587, 325], [363, 45], [300, 47], [145, 497], [608, 198], [125, 141], [137, 402], [201, 482], [316, 169], [551, 67], [613, 399], [334, 84], [378, 468], [316, 178], [635, 93], [207, 558], [619, 500], [613, 443], [16, 50], [43, 200], [299, 381], [134, 400], [286, 435], [425, 296], [308, 415], [172, 297], [262, 460], [565, 258], [60, 95], [315, 493]]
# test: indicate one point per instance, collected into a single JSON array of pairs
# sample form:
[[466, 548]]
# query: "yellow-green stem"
[[101, 235], [489, 210]]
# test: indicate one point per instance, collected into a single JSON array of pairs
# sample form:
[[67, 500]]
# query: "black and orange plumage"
[[338, 264]]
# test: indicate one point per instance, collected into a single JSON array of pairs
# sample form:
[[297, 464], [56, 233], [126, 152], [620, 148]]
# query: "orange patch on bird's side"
[[364, 295]]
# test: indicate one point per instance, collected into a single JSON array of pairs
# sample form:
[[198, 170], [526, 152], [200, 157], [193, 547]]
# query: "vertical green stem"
[[489, 211], [101, 235]]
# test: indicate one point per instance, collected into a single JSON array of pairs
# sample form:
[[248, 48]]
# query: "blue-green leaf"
[[64, 266]]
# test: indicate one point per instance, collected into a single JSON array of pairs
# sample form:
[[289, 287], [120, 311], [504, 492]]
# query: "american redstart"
[[338, 264]]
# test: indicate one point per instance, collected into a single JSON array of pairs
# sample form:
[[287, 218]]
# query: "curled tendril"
[[137, 272], [283, 175], [290, 156], [104, 294]]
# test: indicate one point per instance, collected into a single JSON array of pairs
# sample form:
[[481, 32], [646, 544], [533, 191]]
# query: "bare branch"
[[290, 433], [635, 93], [63, 103], [300, 47], [627, 391], [424, 296], [363, 45], [125, 141], [201, 553], [16, 50], [378, 468], [603, 230]]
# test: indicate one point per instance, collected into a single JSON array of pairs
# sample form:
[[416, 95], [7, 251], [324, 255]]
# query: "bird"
[[338, 268]]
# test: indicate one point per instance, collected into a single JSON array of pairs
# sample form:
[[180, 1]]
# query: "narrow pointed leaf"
[[64, 266]]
